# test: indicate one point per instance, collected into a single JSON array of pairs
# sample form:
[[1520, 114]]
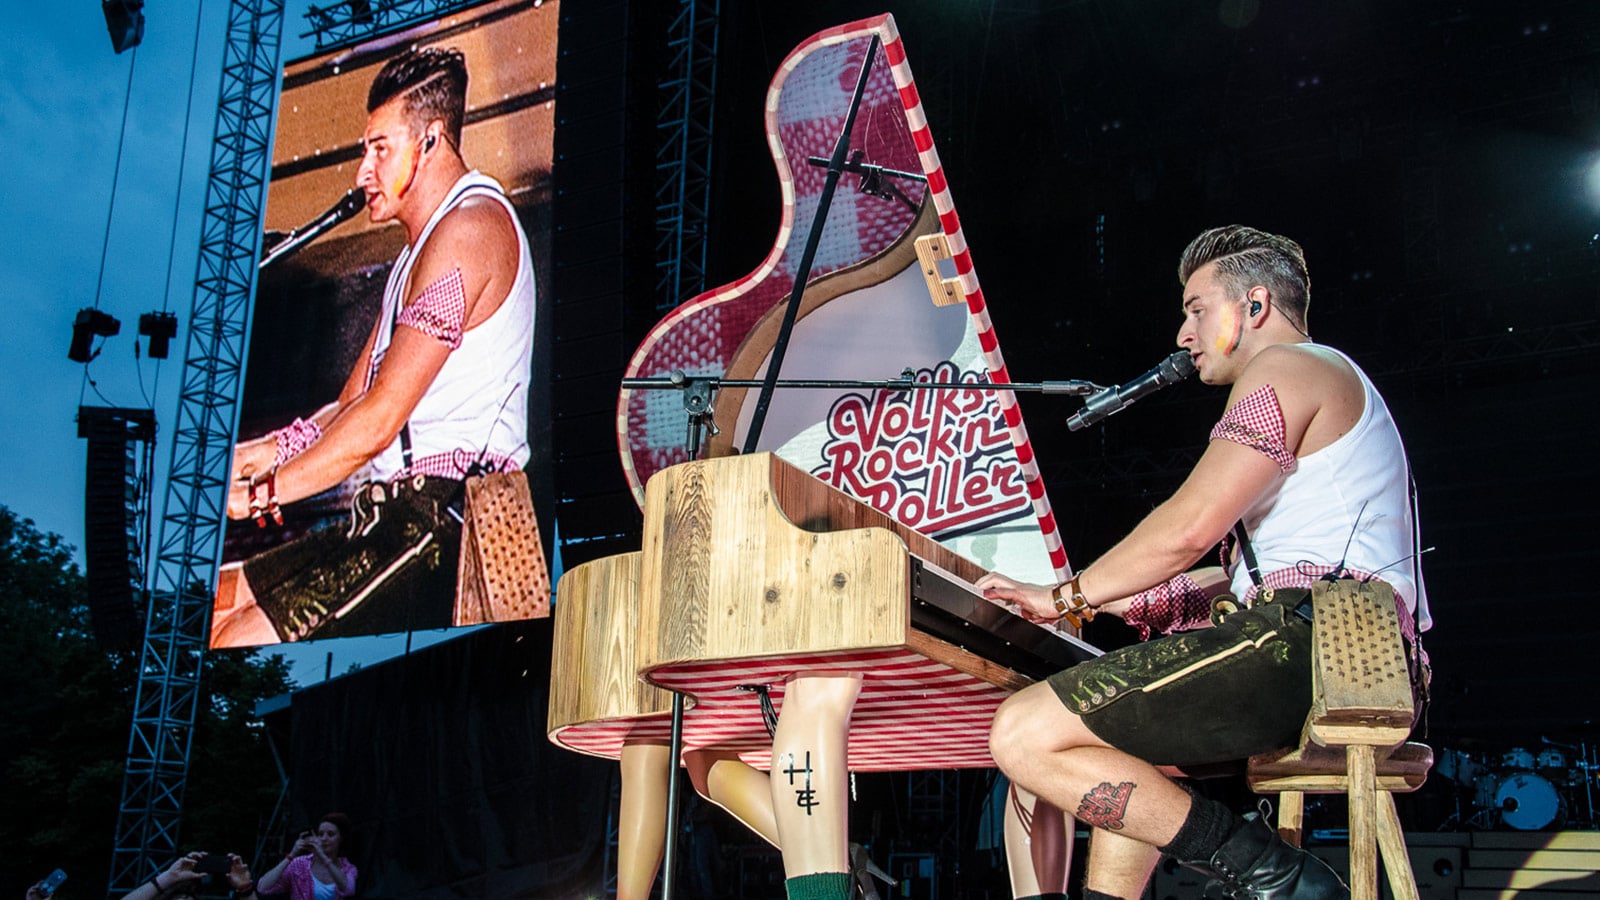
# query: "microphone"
[[1171, 370], [354, 201]]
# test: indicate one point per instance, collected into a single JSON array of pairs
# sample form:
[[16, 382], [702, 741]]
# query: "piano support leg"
[[740, 789], [1038, 845], [642, 819], [810, 778]]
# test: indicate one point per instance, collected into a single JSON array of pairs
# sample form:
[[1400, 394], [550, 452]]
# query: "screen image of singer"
[[448, 522]]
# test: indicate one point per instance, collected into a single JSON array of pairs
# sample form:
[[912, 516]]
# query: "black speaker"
[[115, 488]]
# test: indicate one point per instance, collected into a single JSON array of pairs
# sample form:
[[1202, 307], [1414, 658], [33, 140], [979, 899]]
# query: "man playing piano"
[[438, 393], [1308, 461]]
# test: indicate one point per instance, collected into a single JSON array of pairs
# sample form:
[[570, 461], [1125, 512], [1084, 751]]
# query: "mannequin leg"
[[810, 780], [743, 791], [1038, 845], [642, 822]]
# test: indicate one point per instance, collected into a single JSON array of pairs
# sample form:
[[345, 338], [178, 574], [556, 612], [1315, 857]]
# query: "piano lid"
[[893, 291]]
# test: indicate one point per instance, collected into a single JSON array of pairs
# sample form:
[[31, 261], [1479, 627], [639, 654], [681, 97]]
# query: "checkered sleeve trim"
[[440, 310], [293, 439], [458, 464], [1177, 605], [1302, 575], [1257, 423]]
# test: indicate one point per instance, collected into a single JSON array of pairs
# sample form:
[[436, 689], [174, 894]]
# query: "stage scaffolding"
[[194, 510], [687, 93]]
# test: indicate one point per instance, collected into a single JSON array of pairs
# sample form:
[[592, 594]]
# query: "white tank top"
[[477, 406], [1349, 502]]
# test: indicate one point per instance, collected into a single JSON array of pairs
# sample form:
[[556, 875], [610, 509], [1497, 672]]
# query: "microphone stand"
[[836, 167], [873, 178], [351, 203], [698, 391]]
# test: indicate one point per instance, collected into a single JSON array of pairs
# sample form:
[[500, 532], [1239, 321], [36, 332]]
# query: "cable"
[[105, 244], [116, 172], [177, 200]]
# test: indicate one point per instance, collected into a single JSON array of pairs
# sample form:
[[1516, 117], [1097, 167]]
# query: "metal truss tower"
[[194, 513], [683, 151], [351, 21], [194, 510]]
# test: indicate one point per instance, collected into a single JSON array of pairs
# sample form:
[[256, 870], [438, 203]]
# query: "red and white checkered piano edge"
[[913, 713]]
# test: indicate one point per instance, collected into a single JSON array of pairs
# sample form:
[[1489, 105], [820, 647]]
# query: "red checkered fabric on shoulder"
[[440, 310], [1257, 423]]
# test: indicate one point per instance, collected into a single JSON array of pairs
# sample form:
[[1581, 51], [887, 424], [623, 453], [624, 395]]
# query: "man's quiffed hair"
[[1246, 257], [433, 81]]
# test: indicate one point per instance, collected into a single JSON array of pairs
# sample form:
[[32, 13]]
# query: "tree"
[[65, 711]]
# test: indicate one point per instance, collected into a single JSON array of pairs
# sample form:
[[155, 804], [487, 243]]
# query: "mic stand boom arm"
[[698, 391]]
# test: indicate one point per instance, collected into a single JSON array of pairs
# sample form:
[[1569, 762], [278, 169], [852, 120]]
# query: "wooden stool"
[[1354, 742]]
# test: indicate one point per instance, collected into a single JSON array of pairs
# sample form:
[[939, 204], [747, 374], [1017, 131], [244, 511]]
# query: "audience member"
[[316, 868]]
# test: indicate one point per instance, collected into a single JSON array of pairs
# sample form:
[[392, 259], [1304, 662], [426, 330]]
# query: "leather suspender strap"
[[405, 429], [1247, 552]]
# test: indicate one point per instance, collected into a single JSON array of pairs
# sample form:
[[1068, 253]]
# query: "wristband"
[[155, 882], [1076, 610], [260, 508]]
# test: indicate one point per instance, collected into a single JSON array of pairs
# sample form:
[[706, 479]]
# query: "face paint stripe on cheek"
[[402, 175], [1227, 320]]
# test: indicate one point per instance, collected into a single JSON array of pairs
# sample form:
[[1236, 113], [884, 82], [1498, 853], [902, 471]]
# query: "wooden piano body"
[[753, 572]]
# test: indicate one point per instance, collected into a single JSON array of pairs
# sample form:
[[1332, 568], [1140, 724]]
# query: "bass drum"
[[1527, 802]]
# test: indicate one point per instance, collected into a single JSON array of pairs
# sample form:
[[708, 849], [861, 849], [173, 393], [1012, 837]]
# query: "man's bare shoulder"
[[1318, 391], [477, 221], [1303, 364], [477, 237]]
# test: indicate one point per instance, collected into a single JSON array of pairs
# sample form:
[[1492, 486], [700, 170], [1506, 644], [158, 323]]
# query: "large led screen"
[[392, 467]]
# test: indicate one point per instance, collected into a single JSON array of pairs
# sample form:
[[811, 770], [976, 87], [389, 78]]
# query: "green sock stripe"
[[819, 886]]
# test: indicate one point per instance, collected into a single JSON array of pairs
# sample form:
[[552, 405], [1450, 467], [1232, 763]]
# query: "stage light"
[[1591, 180], [89, 324], [125, 21], [160, 328]]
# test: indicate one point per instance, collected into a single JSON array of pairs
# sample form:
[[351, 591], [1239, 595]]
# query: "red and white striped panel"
[[961, 256], [913, 712]]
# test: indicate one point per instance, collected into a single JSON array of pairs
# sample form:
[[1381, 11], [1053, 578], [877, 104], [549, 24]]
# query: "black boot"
[[1256, 864]]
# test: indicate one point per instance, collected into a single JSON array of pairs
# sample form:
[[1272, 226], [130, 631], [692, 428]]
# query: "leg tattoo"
[[1105, 806], [805, 796]]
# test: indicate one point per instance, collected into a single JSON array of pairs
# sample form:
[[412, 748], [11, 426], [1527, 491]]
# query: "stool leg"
[[1291, 817], [1361, 769], [1392, 842]]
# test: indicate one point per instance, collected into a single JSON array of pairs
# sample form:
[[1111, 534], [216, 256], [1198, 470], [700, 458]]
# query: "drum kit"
[[1527, 790]]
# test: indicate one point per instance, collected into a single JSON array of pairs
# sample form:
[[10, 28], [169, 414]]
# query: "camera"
[[214, 864]]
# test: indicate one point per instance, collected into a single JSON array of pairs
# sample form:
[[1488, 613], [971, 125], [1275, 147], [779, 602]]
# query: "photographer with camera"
[[316, 867], [183, 879]]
